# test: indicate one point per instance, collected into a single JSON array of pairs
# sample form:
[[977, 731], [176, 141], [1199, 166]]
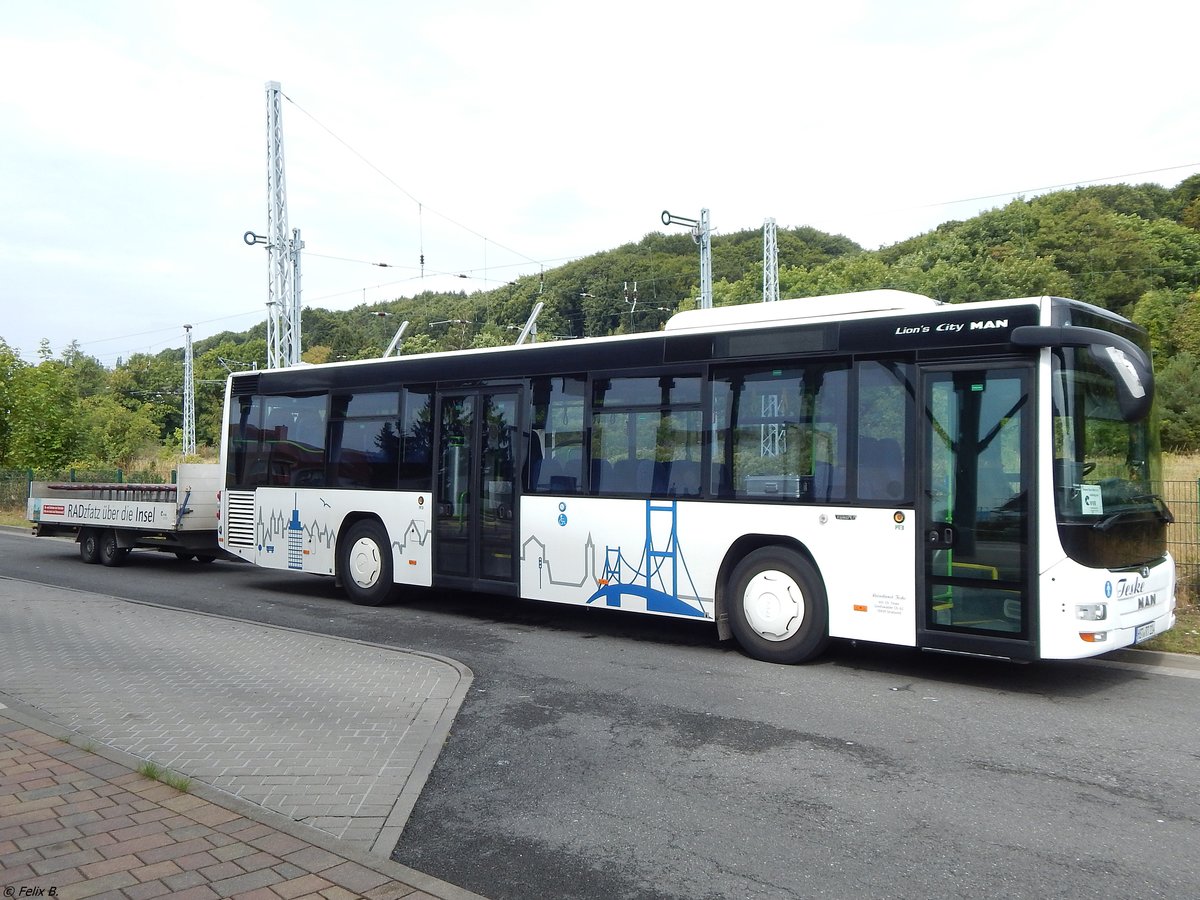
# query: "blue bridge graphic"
[[656, 578]]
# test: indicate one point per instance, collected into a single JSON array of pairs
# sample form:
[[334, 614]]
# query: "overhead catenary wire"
[[407, 193], [1056, 187], [469, 273]]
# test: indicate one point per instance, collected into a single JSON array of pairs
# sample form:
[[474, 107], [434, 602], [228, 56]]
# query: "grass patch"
[[1183, 638], [153, 770], [13, 515], [75, 739]]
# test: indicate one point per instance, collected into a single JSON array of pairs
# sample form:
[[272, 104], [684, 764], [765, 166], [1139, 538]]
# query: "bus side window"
[[556, 445], [293, 439], [416, 440], [777, 432], [885, 423]]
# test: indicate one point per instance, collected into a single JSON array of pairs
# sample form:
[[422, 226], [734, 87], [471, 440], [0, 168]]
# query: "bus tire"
[[778, 610], [111, 553], [365, 563], [89, 546]]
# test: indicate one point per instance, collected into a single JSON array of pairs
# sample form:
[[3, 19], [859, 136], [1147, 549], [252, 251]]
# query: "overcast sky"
[[499, 137]]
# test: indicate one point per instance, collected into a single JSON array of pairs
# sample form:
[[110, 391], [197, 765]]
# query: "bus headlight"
[[1091, 612]]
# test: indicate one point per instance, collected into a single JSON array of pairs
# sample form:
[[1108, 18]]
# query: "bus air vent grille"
[[239, 528]]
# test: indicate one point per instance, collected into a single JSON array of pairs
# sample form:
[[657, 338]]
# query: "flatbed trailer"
[[109, 521]]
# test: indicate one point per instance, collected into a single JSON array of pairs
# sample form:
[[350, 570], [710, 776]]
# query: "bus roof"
[[800, 309]]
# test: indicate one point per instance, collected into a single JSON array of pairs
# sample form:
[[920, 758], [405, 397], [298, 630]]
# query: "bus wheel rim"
[[774, 605], [366, 564]]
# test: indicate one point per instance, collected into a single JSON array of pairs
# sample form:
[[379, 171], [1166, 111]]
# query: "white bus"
[[879, 466]]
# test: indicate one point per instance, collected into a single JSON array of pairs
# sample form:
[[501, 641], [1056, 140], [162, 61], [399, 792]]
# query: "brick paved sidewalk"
[[87, 825]]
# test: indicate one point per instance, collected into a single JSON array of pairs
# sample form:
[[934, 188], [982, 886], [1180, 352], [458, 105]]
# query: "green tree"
[[114, 435], [1186, 330], [1157, 312], [418, 343], [1178, 386], [10, 364], [44, 429]]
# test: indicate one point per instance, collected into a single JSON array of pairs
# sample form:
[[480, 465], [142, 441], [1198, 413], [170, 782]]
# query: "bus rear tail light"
[[1091, 612]]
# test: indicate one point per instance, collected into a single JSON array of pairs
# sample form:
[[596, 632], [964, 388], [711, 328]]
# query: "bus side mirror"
[[1125, 362]]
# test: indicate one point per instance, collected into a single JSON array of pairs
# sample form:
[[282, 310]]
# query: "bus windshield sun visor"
[[1125, 361]]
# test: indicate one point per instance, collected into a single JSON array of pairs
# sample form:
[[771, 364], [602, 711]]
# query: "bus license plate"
[[1143, 632]]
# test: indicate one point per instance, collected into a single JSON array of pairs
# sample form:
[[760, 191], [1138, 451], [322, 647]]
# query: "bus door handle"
[[940, 536]]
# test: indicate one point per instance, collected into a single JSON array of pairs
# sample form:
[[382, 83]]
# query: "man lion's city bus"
[[974, 478]]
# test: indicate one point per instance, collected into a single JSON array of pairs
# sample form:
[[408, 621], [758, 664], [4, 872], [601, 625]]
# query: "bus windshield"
[[1105, 469]]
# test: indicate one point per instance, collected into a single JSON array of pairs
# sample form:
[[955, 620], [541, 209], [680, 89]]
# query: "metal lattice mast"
[[283, 306], [770, 262], [189, 395], [294, 309]]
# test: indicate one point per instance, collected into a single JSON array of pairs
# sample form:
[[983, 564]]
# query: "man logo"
[[989, 323]]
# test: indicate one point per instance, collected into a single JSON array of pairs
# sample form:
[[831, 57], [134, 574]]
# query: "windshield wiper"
[[1161, 510]]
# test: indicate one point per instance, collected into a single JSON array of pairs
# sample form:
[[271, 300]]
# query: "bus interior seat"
[[685, 478], [602, 477], [720, 480], [880, 469], [822, 480], [624, 477]]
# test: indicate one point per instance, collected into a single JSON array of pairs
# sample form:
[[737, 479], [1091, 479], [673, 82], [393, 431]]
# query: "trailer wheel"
[[111, 553], [89, 546], [777, 606], [365, 563]]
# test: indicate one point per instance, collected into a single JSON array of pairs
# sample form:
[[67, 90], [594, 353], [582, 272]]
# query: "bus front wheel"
[[777, 606], [365, 564]]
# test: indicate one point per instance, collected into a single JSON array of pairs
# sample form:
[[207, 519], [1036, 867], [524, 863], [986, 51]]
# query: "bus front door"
[[475, 512], [975, 510]]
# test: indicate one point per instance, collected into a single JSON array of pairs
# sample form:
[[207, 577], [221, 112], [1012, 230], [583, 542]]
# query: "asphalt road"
[[604, 755]]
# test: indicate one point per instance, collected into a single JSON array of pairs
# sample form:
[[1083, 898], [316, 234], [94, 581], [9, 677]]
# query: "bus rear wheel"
[[777, 606], [89, 545], [365, 563]]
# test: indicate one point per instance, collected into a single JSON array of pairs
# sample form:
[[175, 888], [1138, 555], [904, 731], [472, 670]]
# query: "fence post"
[[120, 477]]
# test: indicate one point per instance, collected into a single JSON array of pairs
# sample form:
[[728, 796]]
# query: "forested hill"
[[1134, 249]]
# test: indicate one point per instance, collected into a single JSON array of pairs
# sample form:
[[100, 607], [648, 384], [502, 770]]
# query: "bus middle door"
[[475, 508]]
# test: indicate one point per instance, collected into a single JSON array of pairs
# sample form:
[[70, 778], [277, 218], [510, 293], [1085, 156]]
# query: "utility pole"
[[770, 262], [702, 235], [283, 284], [189, 395]]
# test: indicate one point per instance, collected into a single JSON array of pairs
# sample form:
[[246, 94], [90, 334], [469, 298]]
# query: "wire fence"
[[1183, 536], [1183, 497]]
